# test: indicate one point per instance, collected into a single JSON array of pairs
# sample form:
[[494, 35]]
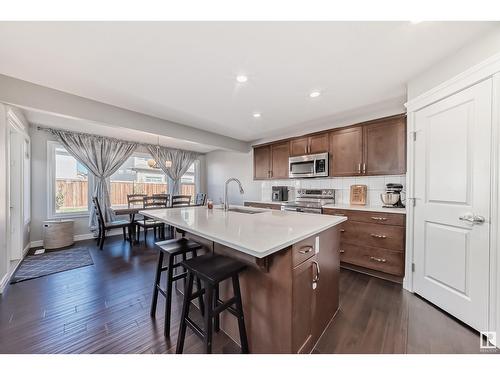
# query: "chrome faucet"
[[226, 204]]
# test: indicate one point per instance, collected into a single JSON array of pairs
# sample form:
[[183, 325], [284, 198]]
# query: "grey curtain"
[[180, 162], [102, 156]]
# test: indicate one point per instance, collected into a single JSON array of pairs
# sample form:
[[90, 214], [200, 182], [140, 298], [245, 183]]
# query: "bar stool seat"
[[172, 248], [211, 270]]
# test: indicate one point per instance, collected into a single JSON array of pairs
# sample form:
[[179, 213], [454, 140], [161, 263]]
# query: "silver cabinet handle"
[[306, 250], [359, 167], [341, 251], [378, 235], [380, 260], [342, 230], [472, 218], [379, 218], [316, 277], [364, 167]]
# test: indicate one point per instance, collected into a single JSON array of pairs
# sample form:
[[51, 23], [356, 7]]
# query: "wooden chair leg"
[[185, 312], [103, 237], [154, 301], [168, 297], [209, 293], [145, 236], [124, 234], [241, 320]]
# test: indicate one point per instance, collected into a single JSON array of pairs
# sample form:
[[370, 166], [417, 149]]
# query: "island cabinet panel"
[[346, 152], [385, 147], [372, 241], [262, 162], [304, 305]]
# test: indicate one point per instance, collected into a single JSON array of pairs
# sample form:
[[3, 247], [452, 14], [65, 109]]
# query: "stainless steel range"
[[310, 200]]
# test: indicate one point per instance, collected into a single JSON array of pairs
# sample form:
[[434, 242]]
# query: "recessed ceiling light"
[[257, 115], [241, 78], [314, 94]]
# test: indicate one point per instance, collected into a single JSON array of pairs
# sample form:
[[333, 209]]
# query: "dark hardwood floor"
[[104, 308]]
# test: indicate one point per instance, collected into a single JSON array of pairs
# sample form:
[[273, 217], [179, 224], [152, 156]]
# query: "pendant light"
[[152, 162]]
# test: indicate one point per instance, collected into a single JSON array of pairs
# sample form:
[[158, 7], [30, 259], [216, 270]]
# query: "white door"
[[452, 187]]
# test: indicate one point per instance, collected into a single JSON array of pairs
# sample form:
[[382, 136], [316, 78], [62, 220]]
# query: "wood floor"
[[104, 308]]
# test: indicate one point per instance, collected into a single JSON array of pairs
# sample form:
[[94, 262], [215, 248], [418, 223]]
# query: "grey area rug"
[[34, 266]]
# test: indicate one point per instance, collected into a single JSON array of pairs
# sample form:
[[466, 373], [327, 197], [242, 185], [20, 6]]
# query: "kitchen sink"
[[244, 211]]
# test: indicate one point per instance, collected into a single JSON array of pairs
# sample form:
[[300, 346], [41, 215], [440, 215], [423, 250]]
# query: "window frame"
[[51, 185]]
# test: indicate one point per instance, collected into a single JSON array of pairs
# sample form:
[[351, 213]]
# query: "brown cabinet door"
[[279, 160], [318, 143], [385, 147], [299, 146], [346, 151], [262, 162], [303, 306]]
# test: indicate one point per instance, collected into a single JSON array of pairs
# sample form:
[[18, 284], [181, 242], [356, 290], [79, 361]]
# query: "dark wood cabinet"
[[262, 162], [385, 147], [346, 151], [271, 161], [279, 160], [304, 301], [372, 148], [314, 144]]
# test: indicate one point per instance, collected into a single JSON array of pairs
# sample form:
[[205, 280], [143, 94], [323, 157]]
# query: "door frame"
[[489, 68]]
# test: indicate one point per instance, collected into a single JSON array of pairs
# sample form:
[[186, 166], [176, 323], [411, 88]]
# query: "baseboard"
[[26, 249], [6, 278], [79, 237]]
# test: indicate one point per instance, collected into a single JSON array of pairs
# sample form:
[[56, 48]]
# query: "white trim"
[[471, 76], [80, 237], [12, 270]]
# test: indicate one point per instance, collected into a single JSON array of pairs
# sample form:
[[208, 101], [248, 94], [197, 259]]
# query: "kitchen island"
[[290, 289]]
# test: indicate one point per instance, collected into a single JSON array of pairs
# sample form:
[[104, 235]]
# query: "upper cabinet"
[[385, 147], [346, 151], [314, 144], [372, 148], [271, 161]]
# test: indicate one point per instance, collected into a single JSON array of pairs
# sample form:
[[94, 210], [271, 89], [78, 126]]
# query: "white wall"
[[221, 165], [3, 194], [469, 55]]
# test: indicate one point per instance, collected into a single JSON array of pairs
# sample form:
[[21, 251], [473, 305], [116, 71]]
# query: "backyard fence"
[[72, 194]]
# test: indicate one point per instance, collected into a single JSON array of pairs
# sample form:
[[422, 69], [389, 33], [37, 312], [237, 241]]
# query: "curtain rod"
[[48, 129]]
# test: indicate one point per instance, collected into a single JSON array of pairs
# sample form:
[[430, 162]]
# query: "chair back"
[[98, 212], [200, 199], [135, 199], [162, 196], [155, 201], [181, 200]]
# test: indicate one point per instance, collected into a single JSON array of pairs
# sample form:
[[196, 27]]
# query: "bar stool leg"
[[157, 283], [216, 303], [209, 293], [185, 312], [198, 287], [241, 320], [168, 297]]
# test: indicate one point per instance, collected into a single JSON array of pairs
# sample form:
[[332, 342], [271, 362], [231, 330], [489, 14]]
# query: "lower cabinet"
[[373, 242]]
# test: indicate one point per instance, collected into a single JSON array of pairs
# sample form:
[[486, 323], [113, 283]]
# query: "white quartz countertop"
[[259, 234], [366, 208]]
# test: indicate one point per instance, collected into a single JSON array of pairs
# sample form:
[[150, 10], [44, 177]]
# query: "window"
[[189, 181], [68, 183], [136, 177]]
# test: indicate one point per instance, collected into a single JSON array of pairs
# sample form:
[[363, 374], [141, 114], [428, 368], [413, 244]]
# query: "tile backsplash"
[[342, 185]]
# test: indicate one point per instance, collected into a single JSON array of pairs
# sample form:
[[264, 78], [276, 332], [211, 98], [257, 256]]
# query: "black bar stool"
[[172, 248], [212, 269]]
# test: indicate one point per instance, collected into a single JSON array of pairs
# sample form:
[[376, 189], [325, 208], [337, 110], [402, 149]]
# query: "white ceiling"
[[185, 71]]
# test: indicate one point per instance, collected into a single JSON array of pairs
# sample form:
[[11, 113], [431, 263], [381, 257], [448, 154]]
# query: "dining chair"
[[163, 196], [104, 226], [200, 199], [181, 200], [134, 201], [146, 223]]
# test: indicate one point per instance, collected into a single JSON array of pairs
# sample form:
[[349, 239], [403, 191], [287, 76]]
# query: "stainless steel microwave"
[[308, 166]]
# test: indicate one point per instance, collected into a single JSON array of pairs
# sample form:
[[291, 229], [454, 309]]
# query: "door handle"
[[306, 250], [380, 260], [316, 277], [359, 167], [364, 167], [472, 218]]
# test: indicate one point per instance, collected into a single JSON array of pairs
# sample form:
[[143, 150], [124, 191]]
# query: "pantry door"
[[452, 212]]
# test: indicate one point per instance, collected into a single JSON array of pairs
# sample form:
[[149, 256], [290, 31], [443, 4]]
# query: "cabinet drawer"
[[374, 258], [303, 250], [369, 216], [377, 235]]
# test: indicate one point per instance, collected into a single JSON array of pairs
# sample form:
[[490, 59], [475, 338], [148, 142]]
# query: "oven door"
[[301, 166]]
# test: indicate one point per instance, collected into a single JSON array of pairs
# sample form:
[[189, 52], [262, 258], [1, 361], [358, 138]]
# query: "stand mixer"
[[392, 197]]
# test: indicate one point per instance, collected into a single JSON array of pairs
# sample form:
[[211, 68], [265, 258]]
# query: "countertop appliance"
[[392, 196], [308, 166], [280, 193], [310, 200]]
